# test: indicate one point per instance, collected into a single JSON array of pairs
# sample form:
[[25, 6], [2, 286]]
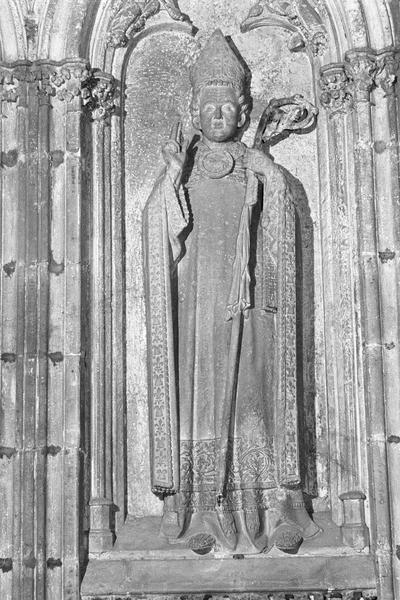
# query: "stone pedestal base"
[[250, 578], [142, 565], [354, 530]]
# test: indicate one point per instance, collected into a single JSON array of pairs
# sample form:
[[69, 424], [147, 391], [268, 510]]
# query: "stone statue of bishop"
[[220, 268]]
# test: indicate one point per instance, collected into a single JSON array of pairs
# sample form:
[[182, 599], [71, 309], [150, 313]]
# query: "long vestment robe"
[[194, 239]]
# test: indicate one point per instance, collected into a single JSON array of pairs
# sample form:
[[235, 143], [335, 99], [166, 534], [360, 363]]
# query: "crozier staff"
[[221, 303]]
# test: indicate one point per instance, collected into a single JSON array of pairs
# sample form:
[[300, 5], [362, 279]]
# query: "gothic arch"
[[13, 44], [79, 29]]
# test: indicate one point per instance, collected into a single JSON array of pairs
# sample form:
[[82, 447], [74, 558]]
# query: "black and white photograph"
[[199, 300]]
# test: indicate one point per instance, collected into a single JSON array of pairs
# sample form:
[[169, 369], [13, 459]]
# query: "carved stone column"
[[118, 319], [361, 69], [101, 104], [25, 144], [66, 445], [41, 443], [346, 440], [9, 459], [386, 181]]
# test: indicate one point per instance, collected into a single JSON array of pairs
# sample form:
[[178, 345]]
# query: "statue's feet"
[[170, 527], [202, 543], [311, 530], [288, 538], [204, 533], [298, 513], [246, 544]]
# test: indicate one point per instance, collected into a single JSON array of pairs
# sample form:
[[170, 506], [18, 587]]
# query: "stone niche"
[[157, 95], [289, 51]]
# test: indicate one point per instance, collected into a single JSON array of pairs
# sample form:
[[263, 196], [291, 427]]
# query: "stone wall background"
[[74, 176]]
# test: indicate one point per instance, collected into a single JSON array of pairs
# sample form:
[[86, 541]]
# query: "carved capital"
[[12, 76], [387, 67], [129, 18], [361, 69], [336, 94], [65, 81], [100, 96], [9, 84]]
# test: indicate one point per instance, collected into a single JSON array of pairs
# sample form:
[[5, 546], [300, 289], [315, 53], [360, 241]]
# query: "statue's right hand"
[[174, 152]]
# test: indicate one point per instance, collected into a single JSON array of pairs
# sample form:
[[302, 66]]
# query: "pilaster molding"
[[336, 94]]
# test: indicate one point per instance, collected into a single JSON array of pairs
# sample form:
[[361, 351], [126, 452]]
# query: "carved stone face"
[[220, 115]]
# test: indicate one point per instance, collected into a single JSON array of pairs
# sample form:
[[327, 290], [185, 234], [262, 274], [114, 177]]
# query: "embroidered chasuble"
[[194, 240]]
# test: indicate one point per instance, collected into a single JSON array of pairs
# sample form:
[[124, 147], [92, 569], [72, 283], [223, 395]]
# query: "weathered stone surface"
[[306, 595], [72, 191], [226, 576]]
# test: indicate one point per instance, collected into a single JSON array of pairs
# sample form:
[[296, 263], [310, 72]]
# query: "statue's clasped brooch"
[[216, 163]]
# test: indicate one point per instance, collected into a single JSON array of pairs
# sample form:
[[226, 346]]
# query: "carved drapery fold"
[[279, 295], [162, 226]]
